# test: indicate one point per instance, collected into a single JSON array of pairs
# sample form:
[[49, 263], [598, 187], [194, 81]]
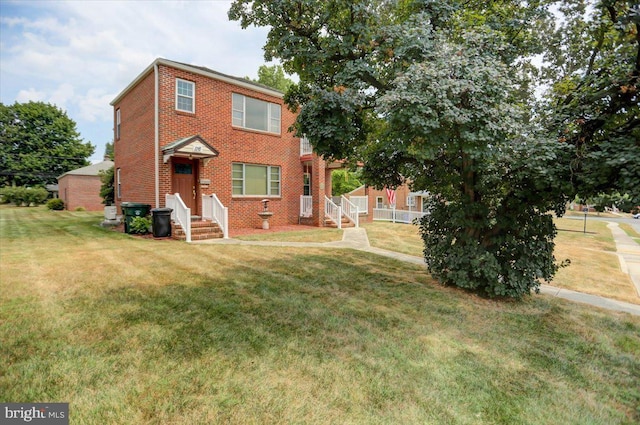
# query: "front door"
[[185, 172]]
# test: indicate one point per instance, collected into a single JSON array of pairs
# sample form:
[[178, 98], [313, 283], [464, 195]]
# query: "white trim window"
[[411, 201], [255, 180], [118, 184], [118, 124], [185, 96], [306, 184], [255, 114], [379, 202]]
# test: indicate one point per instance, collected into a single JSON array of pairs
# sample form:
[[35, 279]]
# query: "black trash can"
[[131, 210], [161, 222]]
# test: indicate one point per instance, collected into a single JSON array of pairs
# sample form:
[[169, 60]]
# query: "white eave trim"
[[216, 76]]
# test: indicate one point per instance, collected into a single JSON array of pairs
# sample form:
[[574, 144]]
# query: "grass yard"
[[131, 330], [595, 268]]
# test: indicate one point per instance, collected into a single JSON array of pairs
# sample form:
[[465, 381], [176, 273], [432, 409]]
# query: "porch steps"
[[200, 230], [345, 223]]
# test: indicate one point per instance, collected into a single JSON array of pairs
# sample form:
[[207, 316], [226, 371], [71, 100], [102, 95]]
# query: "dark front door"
[[184, 180]]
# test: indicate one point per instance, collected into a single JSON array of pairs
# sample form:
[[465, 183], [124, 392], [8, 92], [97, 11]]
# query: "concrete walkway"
[[356, 238]]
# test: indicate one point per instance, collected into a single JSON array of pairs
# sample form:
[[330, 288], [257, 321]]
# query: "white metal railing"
[[305, 147], [362, 202], [180, 214], [333, 212], [306, 206], [214, 210], [396, 216], [350, 210]]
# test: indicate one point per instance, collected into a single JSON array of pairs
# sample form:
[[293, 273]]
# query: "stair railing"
[[214, 210], [333, 212], [180, 213], [350, 210]]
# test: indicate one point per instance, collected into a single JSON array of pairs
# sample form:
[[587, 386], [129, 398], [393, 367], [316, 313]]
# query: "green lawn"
[[130, 330]]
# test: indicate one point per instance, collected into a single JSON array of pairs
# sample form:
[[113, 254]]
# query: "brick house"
[[80, 188], [191, 131]]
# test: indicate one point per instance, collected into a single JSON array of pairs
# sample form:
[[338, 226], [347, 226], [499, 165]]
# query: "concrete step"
[[345, 222]]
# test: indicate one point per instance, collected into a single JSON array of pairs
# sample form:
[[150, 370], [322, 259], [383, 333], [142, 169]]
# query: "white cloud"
[[30, 95], [80, 55]]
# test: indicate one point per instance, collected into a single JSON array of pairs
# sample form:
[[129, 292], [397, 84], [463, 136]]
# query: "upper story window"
[[256, 114], [118, 124], [185, 95]]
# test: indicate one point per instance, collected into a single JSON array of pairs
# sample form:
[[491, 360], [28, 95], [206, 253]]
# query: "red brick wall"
[[80, 192], [134, 152]]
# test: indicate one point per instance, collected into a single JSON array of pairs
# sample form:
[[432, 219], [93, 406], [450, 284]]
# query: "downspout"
[[157, 136]]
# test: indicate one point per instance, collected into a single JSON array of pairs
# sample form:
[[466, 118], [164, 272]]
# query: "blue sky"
[[79, 55]]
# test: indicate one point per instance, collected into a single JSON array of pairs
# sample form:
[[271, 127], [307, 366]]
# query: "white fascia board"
[[214, 75]]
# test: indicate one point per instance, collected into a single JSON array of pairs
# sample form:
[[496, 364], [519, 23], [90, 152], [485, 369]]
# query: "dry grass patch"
[[322, 234], [595, 268], [142, 331], [403, 238]]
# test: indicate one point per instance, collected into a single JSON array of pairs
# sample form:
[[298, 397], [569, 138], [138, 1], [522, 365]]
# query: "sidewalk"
[[356, 238]]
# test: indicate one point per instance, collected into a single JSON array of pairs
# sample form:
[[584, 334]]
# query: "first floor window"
[[411, 201], [118, 185], [306, 186], [379, 202], [249, 179]]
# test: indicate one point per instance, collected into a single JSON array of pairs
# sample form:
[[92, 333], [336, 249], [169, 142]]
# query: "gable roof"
[[200, 70], [190, 147], [89, 170]]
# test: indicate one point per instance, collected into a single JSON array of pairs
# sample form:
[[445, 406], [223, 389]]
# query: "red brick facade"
[[80, 192], [80, 188], [136, 155]]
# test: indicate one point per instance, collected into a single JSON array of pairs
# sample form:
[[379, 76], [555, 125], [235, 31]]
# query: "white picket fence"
[[396, 216]]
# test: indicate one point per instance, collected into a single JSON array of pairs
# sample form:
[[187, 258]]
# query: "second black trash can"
[[161, 222]]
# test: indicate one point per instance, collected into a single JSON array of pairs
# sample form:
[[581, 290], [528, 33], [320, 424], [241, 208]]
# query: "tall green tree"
[[344, 181], [593, 104], [108, 151], [434, 93], [38, 142], [274, 77], [107, 186]]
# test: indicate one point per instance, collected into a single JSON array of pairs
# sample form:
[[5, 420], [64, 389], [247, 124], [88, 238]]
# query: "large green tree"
[[592, 65], [435, 93], [38, 142], [274, 77]]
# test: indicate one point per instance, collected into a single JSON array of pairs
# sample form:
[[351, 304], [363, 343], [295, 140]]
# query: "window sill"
[[185, 113], [251, 130], [253, 197]]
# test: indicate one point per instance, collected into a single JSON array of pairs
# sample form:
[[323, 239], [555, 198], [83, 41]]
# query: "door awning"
[[193, 147]]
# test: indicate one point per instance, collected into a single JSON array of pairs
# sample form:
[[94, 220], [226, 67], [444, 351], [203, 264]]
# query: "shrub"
[[36, 195], [24, 195], [141, 225], [81, 209], [55, 204], [6, 195]]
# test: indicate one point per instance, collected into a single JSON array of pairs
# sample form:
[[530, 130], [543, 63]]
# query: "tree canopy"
[[39, 142], [593, 103], [438, 94], [274, 77]]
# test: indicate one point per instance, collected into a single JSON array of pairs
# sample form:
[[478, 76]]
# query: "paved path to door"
[[356, 238]]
